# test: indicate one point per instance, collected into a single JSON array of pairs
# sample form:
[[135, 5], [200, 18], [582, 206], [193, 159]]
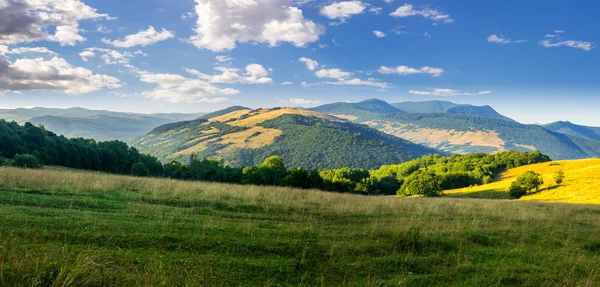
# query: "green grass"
[[62, 228]]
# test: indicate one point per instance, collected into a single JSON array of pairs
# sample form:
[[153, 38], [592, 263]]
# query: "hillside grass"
[[582, 183], [64, 228]]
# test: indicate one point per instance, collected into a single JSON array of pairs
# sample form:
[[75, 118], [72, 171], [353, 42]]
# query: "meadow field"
[[581, 186], [74, 228]]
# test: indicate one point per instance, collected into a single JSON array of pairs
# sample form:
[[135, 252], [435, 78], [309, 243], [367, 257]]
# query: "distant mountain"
[[465, 129], [568, 128], [97, 124], [356, 111], [302, 138], [429, 107]]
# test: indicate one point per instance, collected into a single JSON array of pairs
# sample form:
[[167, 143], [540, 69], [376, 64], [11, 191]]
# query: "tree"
[[26, 161], [528, 182], [140, 169], [559, 177]]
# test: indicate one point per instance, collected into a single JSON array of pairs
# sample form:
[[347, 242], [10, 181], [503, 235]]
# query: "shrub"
[[26, 161], [559, 177], [140, 169], [528, 182]]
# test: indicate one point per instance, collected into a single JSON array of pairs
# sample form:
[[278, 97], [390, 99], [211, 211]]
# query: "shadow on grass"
[[486, 194]]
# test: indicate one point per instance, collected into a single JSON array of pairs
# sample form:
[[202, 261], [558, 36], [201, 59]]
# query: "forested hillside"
[[432, 107], [301, 138], [571, 129]]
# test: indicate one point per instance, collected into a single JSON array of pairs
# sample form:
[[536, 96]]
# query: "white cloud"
[[446, 93], [299, 101], [111, 57], [86, 54], [223, 59], [223, 24], [343, 10], [556, 40], [501, 40], [379, 34], [287, 83], [342, 78], [142, 38], [332, 73], [255, 74], [25, 50], [256, 70], [371, 82], [67, 35], [310, 64], [375, 10], [405, 70], [407, 10], [29, 20], [179, 89], [55, 74]]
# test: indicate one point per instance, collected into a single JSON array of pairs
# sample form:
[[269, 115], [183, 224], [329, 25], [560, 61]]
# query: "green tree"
[[140, 169], [528, 182], [26, 161], [559, 177]]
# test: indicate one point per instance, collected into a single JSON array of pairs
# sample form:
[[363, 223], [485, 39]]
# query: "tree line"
[[31, 146]]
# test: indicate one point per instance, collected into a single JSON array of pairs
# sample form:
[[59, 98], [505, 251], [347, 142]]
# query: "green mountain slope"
[[97, 124], [357, 111], [302, 138], [428, 107], [568, 128]]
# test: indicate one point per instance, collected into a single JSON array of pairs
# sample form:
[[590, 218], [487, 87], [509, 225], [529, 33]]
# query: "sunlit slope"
[[582, 183]]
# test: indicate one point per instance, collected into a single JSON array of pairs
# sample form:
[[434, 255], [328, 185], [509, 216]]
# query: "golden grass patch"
[[582, 183]]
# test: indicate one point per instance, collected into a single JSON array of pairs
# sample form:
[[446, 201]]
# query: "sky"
[[534, 61]]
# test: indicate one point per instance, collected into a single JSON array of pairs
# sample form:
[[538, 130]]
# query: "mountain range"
[[96, 124], [465, 128], [366, 134]]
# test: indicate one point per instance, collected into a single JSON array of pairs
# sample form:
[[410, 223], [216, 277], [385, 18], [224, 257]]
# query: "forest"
[[31, 146]]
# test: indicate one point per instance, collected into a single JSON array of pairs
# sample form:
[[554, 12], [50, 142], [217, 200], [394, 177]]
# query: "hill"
[[580, 186], [88, 229], [568, 128], [469, 132], [302, 138], [358, 111], [434, 107], [96, 124]]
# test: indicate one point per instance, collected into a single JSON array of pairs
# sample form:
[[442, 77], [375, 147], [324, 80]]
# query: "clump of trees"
[[526, 183], [26, 161]]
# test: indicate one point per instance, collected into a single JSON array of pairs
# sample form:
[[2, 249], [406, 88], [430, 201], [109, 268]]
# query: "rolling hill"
[[464, 129], [96, 124], [303, 138], [580, 186]]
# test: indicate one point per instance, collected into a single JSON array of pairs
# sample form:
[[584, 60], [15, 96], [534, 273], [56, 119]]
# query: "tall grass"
[[70, 228]]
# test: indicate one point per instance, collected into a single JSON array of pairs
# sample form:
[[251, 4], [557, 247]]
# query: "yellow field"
[[582, 183]]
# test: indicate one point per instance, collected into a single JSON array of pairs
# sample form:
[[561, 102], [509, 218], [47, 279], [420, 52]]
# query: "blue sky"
[[534, 61]]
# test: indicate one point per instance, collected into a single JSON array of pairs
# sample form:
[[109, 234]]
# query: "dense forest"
[[31, 146]]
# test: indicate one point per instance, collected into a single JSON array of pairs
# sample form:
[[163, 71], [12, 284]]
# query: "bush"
[[26, 161], [559, 177], [140, 169], [528, 182]]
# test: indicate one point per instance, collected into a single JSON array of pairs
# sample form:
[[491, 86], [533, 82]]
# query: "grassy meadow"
[[582, 183], [73, 228]]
